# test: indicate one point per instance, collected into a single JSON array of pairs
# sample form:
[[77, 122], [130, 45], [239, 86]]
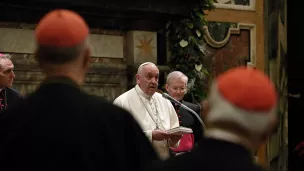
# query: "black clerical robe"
[[187, 119], [9, 98], [210, 155], [59, 127]]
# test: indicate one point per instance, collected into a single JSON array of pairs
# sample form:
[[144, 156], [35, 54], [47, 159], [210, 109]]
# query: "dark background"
[[295, 86], [110, 14]]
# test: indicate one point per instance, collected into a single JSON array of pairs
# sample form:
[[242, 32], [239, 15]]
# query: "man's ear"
[[167, 87], [137, 78]]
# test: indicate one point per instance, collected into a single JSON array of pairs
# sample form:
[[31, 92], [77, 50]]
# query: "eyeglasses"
[[180, 89]]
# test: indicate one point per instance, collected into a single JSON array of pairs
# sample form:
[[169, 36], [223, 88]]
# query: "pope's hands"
[[160, 135]]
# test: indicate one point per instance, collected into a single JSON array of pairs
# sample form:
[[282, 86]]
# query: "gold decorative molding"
[[236, 30], [232, 6], [141, 46]]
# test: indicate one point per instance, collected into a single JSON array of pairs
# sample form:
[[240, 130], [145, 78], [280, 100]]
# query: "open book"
[[180, 131]]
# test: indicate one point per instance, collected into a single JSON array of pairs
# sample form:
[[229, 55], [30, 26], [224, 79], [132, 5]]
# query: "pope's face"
[[147, 80]]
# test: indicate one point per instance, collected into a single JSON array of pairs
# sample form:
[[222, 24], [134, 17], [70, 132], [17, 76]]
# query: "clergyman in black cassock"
[[59, 127], [176, 86], [8, 96], [187, 119]]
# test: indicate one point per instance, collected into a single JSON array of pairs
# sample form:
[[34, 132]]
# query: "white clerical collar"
[[141, 93]]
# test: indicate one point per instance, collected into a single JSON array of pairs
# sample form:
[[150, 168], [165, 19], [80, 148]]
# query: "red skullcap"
[[61, 28], [247, 89]]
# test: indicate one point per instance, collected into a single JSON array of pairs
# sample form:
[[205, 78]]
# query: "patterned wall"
[[106, 78], [102, 80], [235, 53], [227, 49]]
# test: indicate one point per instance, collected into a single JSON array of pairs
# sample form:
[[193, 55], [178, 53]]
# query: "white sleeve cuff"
[[149, 134]]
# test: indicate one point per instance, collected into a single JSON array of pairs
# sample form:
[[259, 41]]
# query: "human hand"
[[175, 138], [159, 135]]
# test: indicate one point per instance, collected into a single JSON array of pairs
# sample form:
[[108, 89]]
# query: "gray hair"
[[58, 55], [176, 74], [139, 70], [5, 56]]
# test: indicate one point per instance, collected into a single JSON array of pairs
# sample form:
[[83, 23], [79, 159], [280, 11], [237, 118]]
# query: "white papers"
[[180, 131]]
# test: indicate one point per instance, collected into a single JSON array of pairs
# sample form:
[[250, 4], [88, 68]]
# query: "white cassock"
[[151, 112]]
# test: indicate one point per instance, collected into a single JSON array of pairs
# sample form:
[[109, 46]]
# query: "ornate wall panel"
[[231, 45], [106, 78]]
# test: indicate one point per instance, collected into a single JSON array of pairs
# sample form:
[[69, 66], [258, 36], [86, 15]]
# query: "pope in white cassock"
[[154, 113]]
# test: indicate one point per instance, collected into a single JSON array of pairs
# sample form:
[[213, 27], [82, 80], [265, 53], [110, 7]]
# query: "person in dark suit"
[[176, 86], [60, 127], [242, 115], [8, 96]]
